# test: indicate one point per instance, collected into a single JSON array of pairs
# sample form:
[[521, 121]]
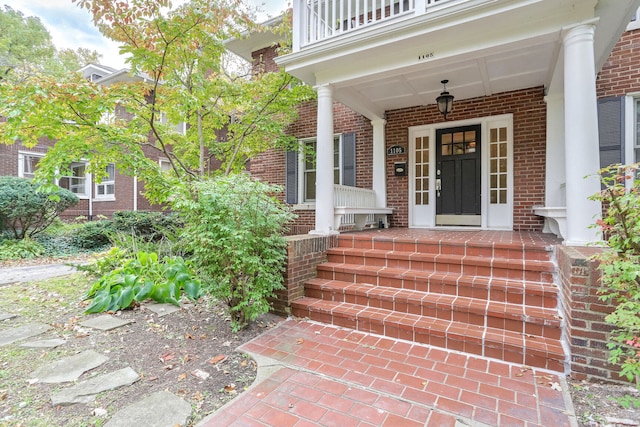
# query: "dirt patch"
[[597, 404], [190, 353]]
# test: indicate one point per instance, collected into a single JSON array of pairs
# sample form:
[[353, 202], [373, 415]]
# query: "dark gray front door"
[[458, 176]]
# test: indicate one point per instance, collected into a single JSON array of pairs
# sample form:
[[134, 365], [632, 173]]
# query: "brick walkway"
[[337, 377]]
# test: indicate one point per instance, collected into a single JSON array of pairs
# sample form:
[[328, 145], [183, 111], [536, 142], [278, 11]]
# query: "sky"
[[71, 27]]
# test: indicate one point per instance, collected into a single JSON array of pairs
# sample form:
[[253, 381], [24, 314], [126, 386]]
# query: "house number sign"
[[395, 150]]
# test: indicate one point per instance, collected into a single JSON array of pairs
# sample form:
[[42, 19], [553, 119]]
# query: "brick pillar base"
[[304, 253], [585, 327]]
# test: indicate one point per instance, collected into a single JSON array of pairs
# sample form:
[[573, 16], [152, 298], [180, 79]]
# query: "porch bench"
[[360, 215], [555, 219]]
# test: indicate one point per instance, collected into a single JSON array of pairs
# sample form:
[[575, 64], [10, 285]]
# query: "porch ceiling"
[[490, 48]]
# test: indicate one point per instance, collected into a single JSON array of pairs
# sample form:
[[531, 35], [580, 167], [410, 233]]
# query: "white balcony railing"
[[316, 20]]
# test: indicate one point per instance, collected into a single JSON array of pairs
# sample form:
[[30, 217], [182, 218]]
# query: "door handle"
[[438, 184]]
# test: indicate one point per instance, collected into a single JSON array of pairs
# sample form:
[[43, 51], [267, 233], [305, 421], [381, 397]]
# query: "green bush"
[[25, 211], [234, 230], [20, 249], [620, 266], [148, 226], [140, 278], [93, 234]]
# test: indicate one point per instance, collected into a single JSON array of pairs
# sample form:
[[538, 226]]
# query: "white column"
[[555, 179], [299, 24], [582, 156], [379, 163], [324, 162]]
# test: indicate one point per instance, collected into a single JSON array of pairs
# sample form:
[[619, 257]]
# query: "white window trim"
[[163, 160], [21, 156], [105, 183], [311, 204], [87, 182]]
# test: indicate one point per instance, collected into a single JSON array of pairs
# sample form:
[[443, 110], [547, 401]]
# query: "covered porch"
[[380, 57]]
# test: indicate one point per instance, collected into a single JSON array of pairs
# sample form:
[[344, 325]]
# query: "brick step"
[[474, 248], [499, 344], [517, 269], [530, 320], [531, 293]]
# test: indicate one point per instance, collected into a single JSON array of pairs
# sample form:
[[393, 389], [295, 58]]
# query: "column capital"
[[325, 88], [579, 33], [378, 122]]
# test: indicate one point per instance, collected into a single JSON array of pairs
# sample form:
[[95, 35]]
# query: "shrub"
[[140, 278], [93, 235], [148, 226], [26, 211], [20, 249], [233, 229], [620, 266]]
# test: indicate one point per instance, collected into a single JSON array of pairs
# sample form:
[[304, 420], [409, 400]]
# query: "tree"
[[179, 57], [26, 49]]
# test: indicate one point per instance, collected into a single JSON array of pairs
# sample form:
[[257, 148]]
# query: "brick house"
[[118, 192], [545, 93]]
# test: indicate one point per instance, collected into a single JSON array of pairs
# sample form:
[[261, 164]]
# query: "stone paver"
[[162, 309], [85, 392], [161, 409], [6, 316], [33, 273], [11, 335], [106, 322], [69, 368], [52, 343], [336, 376]]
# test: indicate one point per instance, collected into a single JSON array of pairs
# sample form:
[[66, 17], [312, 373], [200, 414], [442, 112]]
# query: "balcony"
[[318, 20]]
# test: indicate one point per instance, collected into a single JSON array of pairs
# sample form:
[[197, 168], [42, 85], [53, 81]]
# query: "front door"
[[458, 174]]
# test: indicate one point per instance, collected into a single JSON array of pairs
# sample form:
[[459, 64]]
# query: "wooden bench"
[[360, 215]]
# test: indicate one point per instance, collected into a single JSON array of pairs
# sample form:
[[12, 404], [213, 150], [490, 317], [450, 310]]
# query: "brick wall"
[[621, 73], [585, 328], [304, 253], [529, 128]]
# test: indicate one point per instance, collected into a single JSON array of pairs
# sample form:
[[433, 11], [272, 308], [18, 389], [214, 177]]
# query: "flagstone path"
[[161, 409]]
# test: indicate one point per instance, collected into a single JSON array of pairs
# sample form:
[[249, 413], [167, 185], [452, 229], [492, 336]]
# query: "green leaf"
[[125, 298], [144, 291], [100, 302], [192, 289]]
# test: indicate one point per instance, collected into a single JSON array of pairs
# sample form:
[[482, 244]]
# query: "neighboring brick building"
[[117, 192]]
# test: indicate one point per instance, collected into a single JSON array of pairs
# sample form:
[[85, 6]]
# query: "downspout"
[[135, 193]]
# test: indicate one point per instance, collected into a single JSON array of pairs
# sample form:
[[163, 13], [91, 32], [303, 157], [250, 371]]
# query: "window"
[[309, 168], [27, 164], [107, 188], [301, 169], [165, 165], [180, 128], [77, 181]]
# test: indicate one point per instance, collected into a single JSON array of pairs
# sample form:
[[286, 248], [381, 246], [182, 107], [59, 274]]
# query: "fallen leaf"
[[555, 386], [219, 358], [166, 357], [186, 358], [197, 396], [299, 341], [4, 396], [182, 377], [230, 388], [243, 363], [203, 336], [189, 336]]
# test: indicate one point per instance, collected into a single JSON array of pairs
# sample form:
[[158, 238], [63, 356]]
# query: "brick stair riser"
[[533, 271], [438, 335], [498, 317], [445, 248], [536, 295]]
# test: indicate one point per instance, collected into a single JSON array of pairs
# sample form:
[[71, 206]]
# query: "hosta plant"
[[140, 278]]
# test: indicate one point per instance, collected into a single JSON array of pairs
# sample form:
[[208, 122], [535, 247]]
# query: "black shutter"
[[611, 130], [291, 186], [349, 159]]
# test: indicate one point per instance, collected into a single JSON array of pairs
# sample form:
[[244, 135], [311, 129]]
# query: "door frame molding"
[[430, 131]]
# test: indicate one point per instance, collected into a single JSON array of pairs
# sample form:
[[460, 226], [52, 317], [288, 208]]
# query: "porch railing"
[[316, 20], [354, 197]]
